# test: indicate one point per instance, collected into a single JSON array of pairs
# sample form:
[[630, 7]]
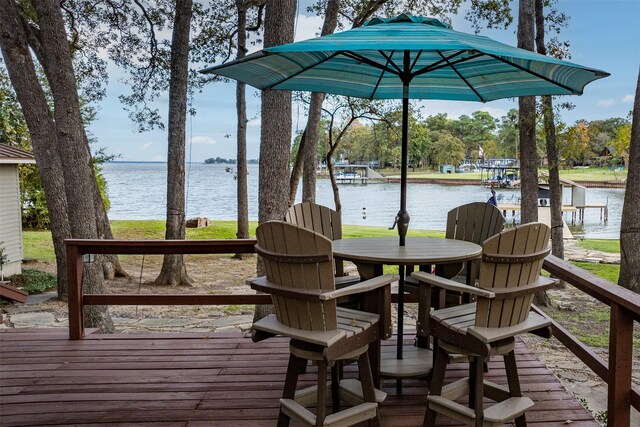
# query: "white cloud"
[[628, 99], [254, 122], [203, 140], [159, 158], [606, 103], [146, 145], [308, 27]]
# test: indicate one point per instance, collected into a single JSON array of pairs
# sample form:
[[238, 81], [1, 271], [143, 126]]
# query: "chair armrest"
[[263, 285], [539, 285], [366, 286], [440, 282], [533, 322]]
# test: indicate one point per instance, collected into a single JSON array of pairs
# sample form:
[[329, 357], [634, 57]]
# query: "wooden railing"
[[624, 309], [78, 299], [624, 306]]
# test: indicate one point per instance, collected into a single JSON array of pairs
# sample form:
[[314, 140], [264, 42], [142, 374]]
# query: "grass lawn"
[[37, 245], [602, 245], [610, 272]]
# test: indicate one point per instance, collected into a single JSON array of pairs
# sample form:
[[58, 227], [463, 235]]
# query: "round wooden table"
[[372, 253]]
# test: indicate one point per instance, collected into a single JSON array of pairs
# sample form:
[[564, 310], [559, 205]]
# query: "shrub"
[[34, 281]]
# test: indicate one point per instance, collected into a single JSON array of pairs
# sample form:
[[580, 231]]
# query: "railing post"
[[620, 366], [74, 293]]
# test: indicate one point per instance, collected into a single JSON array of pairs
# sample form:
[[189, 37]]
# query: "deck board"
[[204, 380]]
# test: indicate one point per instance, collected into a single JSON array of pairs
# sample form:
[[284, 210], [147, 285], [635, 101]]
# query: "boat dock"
[[544, 216], [355, 174]]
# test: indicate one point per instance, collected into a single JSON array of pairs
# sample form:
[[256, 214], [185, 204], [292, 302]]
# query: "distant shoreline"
[[454, 181]]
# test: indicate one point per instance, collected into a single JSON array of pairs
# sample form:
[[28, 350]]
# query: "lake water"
[[138, 191]]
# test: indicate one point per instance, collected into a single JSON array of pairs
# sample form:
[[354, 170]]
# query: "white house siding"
[[10, 221]]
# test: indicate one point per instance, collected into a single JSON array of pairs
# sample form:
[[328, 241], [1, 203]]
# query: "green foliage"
[[14, 132], [3, 260], [34, 281], [3, 256], [447, 148]]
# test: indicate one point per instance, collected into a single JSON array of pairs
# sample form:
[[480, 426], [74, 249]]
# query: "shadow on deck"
[[218, 379]]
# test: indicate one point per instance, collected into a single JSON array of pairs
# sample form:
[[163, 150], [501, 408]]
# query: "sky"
[[604, 34]]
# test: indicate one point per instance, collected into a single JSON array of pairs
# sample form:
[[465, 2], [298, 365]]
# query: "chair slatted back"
[[318, 218], [511, 259], [298, 259], [474, 222]]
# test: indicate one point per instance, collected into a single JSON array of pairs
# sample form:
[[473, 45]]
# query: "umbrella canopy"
[[409, 57]]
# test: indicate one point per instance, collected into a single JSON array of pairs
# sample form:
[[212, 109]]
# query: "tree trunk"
[[310, 157], [110, 263], [315, 113], [555, 188], [528, 151], [21, 69], [275, 134], [241, 108], [542, 298], [630, 223], [174, 271], [78, 167], [298, 166], [334, 183]]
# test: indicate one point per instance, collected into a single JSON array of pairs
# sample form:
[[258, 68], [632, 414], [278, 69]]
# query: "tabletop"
[[418, 250]]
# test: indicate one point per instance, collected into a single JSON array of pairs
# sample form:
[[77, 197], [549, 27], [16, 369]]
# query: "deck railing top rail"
[[599, 288]]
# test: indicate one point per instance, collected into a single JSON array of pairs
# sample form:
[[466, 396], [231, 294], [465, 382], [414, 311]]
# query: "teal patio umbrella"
[[408, 57]]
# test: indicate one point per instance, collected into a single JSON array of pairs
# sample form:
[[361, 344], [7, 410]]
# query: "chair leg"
[[476, 386], [514, 383], [366, 381], [437, 381], [336, 375], [295, 367], [321, 402]]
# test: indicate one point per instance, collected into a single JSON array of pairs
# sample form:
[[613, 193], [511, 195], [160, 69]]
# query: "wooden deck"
[[202, 380]]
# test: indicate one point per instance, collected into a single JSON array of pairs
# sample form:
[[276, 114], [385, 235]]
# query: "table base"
[[416, 362]]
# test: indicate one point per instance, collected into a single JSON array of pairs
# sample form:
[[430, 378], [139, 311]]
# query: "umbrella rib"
[[375, 89], [308, 67], [388, 58], [415, 60], [353, 55], [460, 75], [533, 73], [440, 64]]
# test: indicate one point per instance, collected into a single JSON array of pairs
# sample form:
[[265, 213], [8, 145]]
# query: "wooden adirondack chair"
[[327, 222], [509, 278], [474, 222], [300, 279]]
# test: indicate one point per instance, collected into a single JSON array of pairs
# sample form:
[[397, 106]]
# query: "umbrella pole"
[[403, 216]]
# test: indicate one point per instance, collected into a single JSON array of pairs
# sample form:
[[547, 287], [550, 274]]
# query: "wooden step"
[[12, 293], [507, 410], [351, 391], [347, 417], [451, 409]]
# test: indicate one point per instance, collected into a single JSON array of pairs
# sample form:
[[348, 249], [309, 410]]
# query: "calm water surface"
[[138, 191]]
